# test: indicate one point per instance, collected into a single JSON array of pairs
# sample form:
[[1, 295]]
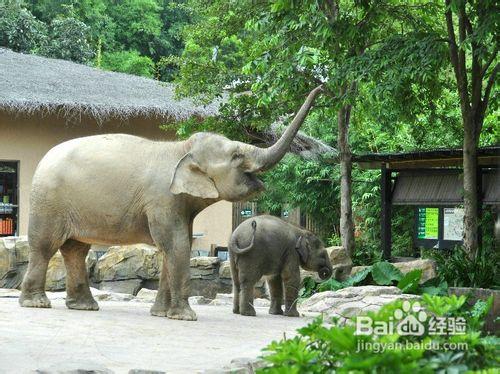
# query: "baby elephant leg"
[[247, 285], [276, 290], [236, 285], [291, 283]]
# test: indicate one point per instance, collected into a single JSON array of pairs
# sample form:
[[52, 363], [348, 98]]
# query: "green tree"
[[472, 30], [68, 40], [19, 29], [130, 62]]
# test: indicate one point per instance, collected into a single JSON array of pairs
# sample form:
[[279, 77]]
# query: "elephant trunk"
[[234, 243], [266, 158]]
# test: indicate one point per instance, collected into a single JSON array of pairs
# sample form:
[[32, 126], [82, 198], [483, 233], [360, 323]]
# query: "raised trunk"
[[346, 222], [264, 159], [471, 193]]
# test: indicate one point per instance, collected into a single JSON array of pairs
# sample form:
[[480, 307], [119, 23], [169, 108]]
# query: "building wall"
[[27, 138]]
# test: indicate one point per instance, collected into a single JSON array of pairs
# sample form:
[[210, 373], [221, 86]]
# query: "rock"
[[204, 267], [225, 270], [247, 364], [428, 267], [199, 300], [14, 253], [341, 262], [146, 295], [128, 262], [126, 286], [351, 301], [75, 367]]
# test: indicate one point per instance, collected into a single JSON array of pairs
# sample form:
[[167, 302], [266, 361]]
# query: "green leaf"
[[357, 278], [410, 281], [384, 273]]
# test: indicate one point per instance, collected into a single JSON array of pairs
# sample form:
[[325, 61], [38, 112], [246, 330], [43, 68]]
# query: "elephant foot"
[[160, 308], [275, 310], [184, 313], [249, 311], [83, 303], [236, 310], [34, 300], [292, 313]]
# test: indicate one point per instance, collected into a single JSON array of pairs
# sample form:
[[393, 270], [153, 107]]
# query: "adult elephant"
[[122, 189]]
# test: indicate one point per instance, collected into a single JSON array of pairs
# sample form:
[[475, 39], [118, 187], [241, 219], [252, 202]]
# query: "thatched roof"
[[33, 84]]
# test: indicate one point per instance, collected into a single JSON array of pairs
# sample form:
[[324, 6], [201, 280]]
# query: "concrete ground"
[[123, 335]]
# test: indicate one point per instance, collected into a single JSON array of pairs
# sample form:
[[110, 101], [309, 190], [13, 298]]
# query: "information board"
[[453, 224], [428, 223]]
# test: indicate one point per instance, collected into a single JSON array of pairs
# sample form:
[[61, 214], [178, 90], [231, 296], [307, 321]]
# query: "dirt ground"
[[123, 335]]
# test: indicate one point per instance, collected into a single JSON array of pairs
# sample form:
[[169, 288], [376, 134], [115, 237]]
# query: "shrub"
[[130, 62], [321, 348]]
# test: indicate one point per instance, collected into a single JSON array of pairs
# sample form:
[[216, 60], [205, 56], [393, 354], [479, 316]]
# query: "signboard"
[[453, 224], [428, 223], [246, 213]]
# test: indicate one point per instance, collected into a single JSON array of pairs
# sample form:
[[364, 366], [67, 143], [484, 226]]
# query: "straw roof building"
[[46, 101]]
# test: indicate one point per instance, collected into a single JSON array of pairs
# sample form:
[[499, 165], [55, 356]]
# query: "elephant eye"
[[236, 157]]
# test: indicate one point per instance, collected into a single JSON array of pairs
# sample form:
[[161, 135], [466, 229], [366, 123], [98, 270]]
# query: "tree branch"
[[489, 62]]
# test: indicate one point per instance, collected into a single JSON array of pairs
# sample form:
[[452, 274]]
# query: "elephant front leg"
[[163, 297], [246, 295], [291, 283]]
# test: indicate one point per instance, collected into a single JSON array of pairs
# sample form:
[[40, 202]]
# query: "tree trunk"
[[346, 222], [471, 193]]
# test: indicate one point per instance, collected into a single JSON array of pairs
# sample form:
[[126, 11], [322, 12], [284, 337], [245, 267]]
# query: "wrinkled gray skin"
[[122, 189], [267, 246]]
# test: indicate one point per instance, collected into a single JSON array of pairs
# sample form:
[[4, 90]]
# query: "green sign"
[[245, 213], [428, 223]]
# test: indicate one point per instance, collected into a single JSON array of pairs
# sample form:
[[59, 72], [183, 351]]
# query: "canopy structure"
[[430, 178], [32, 84]]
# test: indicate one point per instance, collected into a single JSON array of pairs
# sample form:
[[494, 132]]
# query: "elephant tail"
[[234, 243]]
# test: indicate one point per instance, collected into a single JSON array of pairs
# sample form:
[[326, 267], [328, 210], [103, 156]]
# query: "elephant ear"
[[302, 248], [190, 179]]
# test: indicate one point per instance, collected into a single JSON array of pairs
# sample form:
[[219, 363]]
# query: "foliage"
[[323, 348], [381, 273], [19, 29], [458, 270], [130, 62], [68, 40]]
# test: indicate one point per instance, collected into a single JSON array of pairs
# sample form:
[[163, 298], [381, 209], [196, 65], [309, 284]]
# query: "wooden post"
[[385, 221]]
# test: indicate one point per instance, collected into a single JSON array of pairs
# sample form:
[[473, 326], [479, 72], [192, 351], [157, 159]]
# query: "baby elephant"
[[267, 246]]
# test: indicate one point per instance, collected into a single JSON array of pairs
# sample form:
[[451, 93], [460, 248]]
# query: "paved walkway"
[[123, 336]]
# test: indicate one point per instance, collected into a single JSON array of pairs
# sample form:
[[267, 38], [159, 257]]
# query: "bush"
[[130, 62], [19, 29], [69, 40], [459, 270], [320, 348], [381, 273]]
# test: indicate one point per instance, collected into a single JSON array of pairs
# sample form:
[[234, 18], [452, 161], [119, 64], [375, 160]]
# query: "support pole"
[[385, 193]]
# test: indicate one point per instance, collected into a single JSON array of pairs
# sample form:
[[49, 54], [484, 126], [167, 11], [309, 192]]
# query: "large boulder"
[[351, 301], [139, 261], [341, 262], [427, 266], [56, 274], [14, 253]]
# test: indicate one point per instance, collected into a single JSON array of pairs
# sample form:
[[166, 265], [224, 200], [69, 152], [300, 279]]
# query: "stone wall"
[[122, 269]]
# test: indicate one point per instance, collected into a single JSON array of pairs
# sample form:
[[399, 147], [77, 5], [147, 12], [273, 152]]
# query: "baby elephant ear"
[[190, 179], [301, 248]]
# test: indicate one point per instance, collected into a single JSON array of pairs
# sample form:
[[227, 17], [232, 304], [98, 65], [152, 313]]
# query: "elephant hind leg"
[[276, 290], [236, 284], [33, 286], [78, 295]]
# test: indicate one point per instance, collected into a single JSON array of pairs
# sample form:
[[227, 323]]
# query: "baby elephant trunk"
[[325, 273]]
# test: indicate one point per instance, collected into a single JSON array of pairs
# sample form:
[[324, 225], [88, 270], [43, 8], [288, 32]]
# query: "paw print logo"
[[410, 324]]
